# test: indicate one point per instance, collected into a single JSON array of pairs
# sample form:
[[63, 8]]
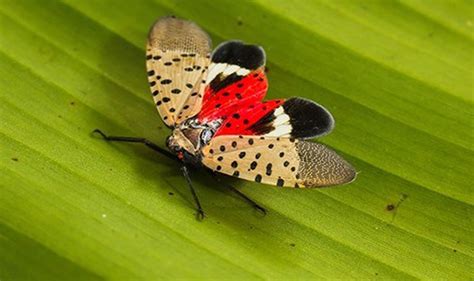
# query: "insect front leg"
[[146, 142], [200, 213]]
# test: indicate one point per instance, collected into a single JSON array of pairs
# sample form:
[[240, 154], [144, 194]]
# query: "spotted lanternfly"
[[214, 104]]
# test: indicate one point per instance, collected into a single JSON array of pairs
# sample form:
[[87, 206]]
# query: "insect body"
[[214, 103], [187, 140]]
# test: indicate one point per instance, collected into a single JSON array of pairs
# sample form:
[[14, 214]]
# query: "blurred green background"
[[397, 76]]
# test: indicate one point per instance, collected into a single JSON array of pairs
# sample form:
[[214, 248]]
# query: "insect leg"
[[245, 197], [137, 140], [200, 212]]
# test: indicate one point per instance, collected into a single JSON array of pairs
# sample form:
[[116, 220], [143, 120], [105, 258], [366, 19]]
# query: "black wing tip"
[[308, 118], [236, 52]]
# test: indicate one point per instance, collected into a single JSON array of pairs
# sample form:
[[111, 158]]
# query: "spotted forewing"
[[178, 54]]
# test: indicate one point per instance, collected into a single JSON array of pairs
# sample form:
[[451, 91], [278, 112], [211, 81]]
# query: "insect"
[[213, 102]]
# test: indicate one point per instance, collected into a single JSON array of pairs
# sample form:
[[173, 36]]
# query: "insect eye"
[[206, 135]]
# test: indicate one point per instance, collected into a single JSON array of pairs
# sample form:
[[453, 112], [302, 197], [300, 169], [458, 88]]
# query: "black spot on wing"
[[235, 52], [307, 118]]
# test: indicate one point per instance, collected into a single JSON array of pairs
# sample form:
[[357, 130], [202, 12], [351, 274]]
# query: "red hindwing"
[[242, 121], [251, 89]]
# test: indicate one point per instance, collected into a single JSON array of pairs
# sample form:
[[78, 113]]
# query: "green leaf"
[[398, 77]]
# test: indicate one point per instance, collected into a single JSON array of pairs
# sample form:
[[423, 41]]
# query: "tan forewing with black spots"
[[177, 59], [277, 161]]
